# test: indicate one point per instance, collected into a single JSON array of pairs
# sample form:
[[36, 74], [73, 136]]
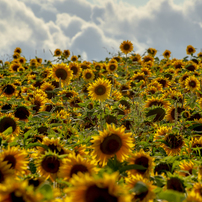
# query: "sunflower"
[[126, 47], [143, 159], [112, 141], [190, 50], [166, 54], [84, 65], [14, 67], [22, 113], [183, 78], [157, 102], [75, 164], [135, 57], [5, 171], [48, 165], [197, 188], [9, 90], [175, 183], [74, 58], [76, 69], [57, 52], [193, 197], [199, 55], [146, 71], [33, 63], [125, 89], [8, 120], [63, 72], [191, 66], [13, 190], [16, 55], [117, 58], [148, 58], [112, 67], [88, 189], [145, 192], [161, 132], [155, 84], [163, 81], [152, 51], [74, 101], [16, 158], [196, 146], [38, 100], [178, 64], [151, 90], [174, 143], [192, 83], [187, 166], [47, 87], [174, 113], [100, 89], [88, 75], [68, 94], [66, 53], [116, 95]]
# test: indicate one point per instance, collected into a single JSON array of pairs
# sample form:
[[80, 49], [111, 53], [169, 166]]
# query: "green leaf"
[[37, 145], [32, 167], [139, 188], [130, 167], [8, 131], [171, 195], [46, 191], [27, 134]]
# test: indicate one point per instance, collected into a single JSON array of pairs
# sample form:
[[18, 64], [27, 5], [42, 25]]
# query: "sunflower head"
[[100, 89], [152, 51], [74, 58], [190, 50], [22, 60], [66, 53], [57, 52], [88, 75], [126, 47], [166, 54], [76, 69]]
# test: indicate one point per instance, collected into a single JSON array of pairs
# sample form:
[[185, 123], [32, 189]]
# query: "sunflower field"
[[126, 129]]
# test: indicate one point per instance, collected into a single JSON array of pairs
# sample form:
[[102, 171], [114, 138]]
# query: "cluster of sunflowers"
[[124, 129]]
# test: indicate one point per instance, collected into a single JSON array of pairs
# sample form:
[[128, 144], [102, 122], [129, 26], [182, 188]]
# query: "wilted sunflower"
[[126, 47], [75, 164], [192, 83], [74, 58], [63, 72], [142, 159], [8, 120], [66, 53], [112, 141], [88, 75], [13, 190], [100, 89], [175, 183], [16, 158], [9, 90], [190, 50], [48, 165], [145, 189], [76, 69], [166, 54], [89, 189], [57, 52], [174, 143]]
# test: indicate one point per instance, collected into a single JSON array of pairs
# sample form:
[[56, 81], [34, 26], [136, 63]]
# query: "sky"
[[95, 29]]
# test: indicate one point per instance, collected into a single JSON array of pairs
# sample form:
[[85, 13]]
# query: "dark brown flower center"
[[174, 141], [74, 69], [9, 89], [126, 46], [100, 90], [38, 104], [50, 164], [97, 194], [53, 148], [61, 73], [7, 122], [2, 178], [111, 144], [58, 52], [88, 75], [192, 84], [143, 161], [78, 168], [175, 184], [22, 113], [13, 197], [112, 67], [10, 160]]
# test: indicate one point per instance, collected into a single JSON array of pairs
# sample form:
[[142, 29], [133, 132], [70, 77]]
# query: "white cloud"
[[87, 29]]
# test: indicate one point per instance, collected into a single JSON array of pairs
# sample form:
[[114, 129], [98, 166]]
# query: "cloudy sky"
[[93, 28]]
